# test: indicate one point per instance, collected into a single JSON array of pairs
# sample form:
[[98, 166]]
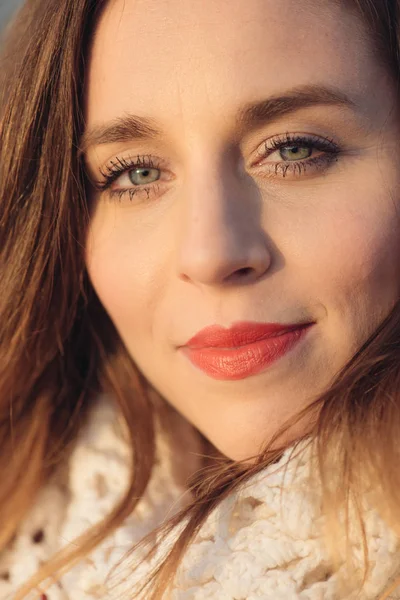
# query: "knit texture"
[[257, 544]]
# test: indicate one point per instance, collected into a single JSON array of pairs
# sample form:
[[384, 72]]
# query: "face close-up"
[[245, 164]]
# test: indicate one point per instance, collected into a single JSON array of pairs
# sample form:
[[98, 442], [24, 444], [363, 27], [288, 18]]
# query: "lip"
[[244, 349]]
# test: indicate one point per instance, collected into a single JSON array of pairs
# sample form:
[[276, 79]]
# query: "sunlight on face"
[[245, 162]]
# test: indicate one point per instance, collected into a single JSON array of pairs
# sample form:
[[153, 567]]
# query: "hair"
[[56, 333]]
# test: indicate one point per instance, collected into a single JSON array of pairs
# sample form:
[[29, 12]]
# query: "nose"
[[221, 235]]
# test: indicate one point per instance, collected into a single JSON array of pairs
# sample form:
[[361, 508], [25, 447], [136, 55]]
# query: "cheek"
[[346, 229], [127, 269], [352, 263], [357, 253], [368, 251]]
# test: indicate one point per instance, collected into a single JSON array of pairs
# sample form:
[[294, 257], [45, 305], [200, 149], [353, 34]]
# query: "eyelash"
[[328, 146], [118, 167]]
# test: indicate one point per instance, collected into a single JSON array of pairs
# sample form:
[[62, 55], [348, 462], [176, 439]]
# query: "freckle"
[[38, 536]]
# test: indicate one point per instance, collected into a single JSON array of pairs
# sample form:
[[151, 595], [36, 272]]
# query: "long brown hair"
[[59, 349]]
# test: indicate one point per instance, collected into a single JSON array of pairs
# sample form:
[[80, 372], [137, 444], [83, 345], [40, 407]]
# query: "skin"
[[223, 239]]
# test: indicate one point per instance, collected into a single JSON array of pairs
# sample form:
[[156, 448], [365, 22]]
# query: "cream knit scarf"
[[251, 548]]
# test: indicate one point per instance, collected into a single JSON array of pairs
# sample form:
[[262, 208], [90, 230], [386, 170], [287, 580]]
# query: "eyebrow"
[[131, 127]]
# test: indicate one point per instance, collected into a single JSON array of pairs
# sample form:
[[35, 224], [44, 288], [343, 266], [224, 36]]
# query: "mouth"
[[244, 350]]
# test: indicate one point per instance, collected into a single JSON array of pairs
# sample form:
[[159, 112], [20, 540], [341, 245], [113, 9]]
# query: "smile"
[[243, 351]]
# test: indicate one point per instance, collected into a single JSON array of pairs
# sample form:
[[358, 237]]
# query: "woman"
[[199, 300]]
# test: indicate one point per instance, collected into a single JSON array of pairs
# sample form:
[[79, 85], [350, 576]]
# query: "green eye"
[[290, 153], [143, 175]]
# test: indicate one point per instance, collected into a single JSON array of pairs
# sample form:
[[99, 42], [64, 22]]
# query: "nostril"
[[244, 272], [239, 274]]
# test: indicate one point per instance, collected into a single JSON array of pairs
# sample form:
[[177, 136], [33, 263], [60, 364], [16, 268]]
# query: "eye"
[[295, 154], [139, 176], [127, 176]]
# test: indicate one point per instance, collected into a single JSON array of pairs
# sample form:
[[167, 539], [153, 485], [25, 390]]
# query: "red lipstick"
[[244, 349]]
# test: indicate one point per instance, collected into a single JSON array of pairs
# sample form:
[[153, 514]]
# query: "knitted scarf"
[[256, 545]]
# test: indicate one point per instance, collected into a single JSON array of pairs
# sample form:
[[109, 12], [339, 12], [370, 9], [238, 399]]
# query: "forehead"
[[174, 59]]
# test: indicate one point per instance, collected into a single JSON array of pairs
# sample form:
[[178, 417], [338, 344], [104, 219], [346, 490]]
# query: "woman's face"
[[254, 157]]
